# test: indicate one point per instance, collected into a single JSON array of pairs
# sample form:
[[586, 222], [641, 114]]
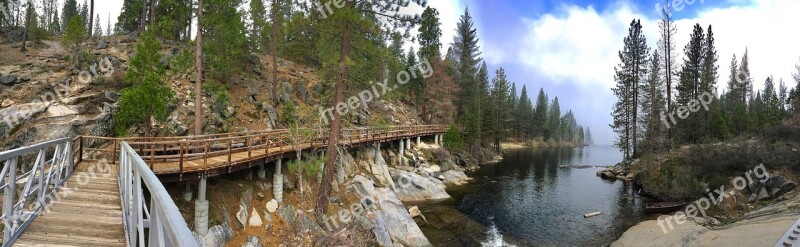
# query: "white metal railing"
[[39, 178], [165, 222], [790, 238]]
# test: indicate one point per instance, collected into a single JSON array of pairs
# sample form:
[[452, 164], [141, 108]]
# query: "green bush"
[[311, 167], [453, 139], [182, 63]]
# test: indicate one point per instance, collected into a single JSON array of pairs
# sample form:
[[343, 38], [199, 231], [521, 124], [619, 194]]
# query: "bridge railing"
[[29, 179], [165, 224]]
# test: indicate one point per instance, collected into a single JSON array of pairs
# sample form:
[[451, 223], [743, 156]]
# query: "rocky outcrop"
[[413, 187], [774, 187], [616, 172], [389, 217]]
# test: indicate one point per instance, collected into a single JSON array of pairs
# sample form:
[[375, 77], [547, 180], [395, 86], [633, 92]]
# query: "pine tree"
[[85, 15], [348, 27], [653, 106], [708, 79], [98, 31], [55, 23], [225, 43], [691, 86], [745, 80], [485, 101], [523, 114], [629, 74], [554, 121], [539, 115], [171, 19], [589, 140], [258, 22], [429, 46], [500, 107], [149, 97], [108, 27], [130, 18], [70, 10], [467, 54]]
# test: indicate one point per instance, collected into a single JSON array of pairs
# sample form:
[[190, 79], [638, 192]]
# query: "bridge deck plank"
[[90, 215]]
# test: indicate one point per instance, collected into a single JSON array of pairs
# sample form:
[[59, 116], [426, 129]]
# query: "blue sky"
[[569, 48]]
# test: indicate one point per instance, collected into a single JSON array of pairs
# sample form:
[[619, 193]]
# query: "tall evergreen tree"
[[225, 43], [500, 107], [539, 114], [467, 54], [709, 76], [629, 75], [258, 34], [523, 114], [98, 30], [348, 27], [130, 18], [70, 10], [554, 121], [691, 85], [429, 46], [653, 106]]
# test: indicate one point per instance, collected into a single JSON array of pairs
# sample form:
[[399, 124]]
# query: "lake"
[[528, 199]]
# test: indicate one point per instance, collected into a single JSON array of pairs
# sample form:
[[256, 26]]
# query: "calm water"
[[528, 200]]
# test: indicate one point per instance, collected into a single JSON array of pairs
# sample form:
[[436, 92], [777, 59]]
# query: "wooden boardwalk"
[[89, 215], [183, 158]]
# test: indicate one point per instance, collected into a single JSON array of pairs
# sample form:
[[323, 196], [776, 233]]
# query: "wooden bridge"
[[100, 191]]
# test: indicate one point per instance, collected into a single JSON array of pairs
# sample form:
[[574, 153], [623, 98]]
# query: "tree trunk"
[[27, 27], [91, 19], [333, 135], [189, 22], [275, 53], [152, 12], [198, 90], [143, 19]]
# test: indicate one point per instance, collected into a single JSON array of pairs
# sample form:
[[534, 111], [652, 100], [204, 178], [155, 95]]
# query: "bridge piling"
[[261, 172], [201, 207], [419, 140], [277, 182], [408, 144], [187, 192], [401, 154]]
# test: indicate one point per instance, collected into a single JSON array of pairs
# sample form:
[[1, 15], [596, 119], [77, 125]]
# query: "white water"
[[495, 239]]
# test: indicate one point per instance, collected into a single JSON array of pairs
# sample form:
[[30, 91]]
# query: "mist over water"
[[529, 200]]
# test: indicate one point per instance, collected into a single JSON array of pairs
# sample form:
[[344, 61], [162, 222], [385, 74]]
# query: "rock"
[[217, 236], [305, 225], [101, 44], [229, 111], [244, 202], [287, 213], [111, 96], [414, 211], [260, 195], [272, 114], [252, 241], [779, 185], [255, 219], [7, 103], [8, 80], [392, 222], [413, 187], [272, 206], [22, 79], [435, 168], [257, 70], [302, 92]]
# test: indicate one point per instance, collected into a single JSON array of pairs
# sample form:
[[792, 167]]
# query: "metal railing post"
[[8, 200]]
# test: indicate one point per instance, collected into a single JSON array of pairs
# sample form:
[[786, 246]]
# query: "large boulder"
[[8, 80], [774, 187], [252, 241], [372, 160], [244, 204], [413, 187], [455, 177], [391, 222]]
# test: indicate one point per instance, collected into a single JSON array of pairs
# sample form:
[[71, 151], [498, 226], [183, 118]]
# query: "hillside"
[[51, 100]]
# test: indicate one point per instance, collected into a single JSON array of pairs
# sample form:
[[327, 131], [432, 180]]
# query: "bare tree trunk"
[[27, 26], [152, 12], [275, 31], [189, 22], [333, 135], [198, 90], [143, 20], [91, 19]]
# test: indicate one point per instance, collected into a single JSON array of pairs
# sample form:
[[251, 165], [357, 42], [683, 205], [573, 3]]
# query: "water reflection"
[[531, 201]]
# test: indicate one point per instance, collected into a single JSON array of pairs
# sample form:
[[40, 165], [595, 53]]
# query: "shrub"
[[453, 139], [219, 96]]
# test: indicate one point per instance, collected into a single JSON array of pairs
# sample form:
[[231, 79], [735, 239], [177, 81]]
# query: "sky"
[[569, 48]]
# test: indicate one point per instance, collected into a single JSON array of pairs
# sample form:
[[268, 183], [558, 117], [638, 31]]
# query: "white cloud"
[[580, 44]]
